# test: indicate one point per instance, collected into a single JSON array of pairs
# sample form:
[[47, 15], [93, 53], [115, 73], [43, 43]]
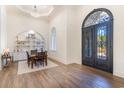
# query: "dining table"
[[34, 57]]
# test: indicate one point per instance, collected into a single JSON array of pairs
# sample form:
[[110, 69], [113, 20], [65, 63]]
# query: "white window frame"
[[53, 39]]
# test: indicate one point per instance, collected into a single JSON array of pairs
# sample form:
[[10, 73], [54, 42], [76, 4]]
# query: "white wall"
[[2, 30], [68, 24], [18, 21], [65, 23], [72, 34], [118, 13], [0, 36], [59, 21], [73, 54]]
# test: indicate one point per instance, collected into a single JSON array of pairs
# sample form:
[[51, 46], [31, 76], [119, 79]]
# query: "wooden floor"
[[63, 76]]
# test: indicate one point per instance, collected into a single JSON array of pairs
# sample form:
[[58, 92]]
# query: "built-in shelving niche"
[[29, 40]]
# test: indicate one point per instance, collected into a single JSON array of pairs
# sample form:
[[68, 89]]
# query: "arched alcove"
[[29, 40]]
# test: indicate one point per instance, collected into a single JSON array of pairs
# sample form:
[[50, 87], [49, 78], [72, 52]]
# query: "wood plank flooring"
[[63, 76]]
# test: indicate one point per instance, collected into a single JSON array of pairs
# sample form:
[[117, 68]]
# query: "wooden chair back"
[[33, 52]]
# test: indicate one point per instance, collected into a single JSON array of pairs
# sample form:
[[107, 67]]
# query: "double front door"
[[97, 46]]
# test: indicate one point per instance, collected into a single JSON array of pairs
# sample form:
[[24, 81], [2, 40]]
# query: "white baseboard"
[[74, 60], [64, 61], [119, 74], [59, 59]]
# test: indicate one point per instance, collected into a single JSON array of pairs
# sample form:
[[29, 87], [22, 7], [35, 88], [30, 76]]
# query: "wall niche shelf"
[[29, 40]]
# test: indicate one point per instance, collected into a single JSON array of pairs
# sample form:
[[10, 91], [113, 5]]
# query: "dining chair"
[[34, 52], [40, 58], [45, 57], [28, 58], [41, 49], [31, 60]]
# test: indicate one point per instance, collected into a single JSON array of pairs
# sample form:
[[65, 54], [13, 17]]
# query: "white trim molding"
[[59, 59]]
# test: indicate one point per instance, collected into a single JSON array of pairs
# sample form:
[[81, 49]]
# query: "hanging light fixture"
[[37, 10]]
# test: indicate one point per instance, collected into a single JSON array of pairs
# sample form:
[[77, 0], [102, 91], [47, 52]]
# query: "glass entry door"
[[97, 39], [88, 46], [103, 47], [97, 46]]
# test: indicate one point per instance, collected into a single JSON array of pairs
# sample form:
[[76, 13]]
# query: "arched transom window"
[[97, 18]]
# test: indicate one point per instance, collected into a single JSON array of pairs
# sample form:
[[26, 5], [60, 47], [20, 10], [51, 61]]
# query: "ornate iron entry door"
[[103, 46], [88, 40], [97, 39], [97, 46]]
